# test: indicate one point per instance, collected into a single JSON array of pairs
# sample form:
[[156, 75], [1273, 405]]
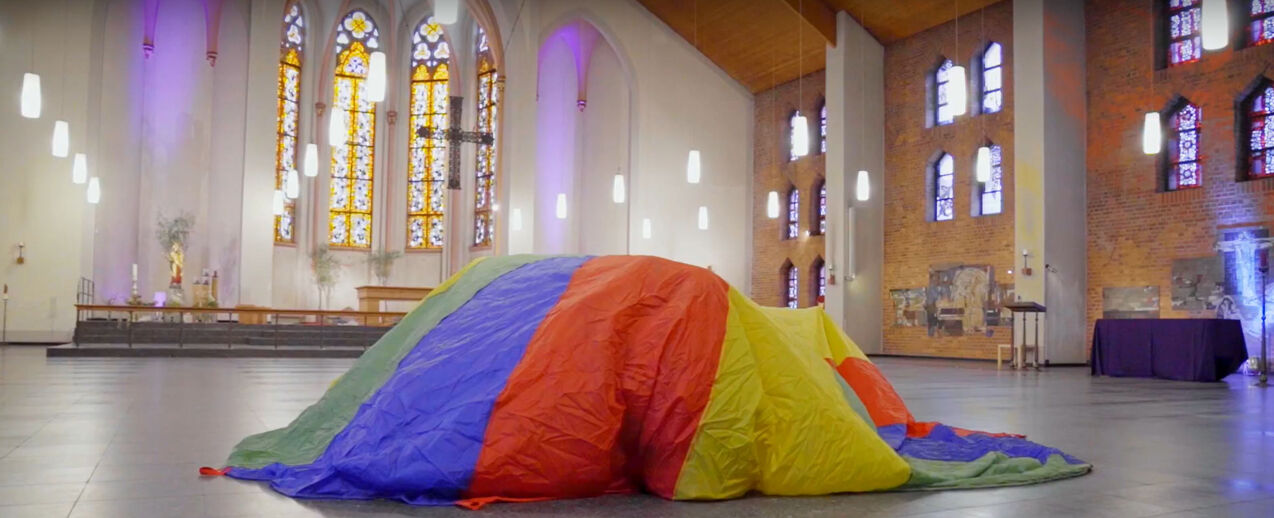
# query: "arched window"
[[793, 214], [1183, 165], [991, 193], [820, 209], [793, 152], [489, 122], [289, 115], [427, 159], [944, 188], [1260, 22], [992, 78], [1259, 123], [819, 285], [822, 126], [942, 112], [353, 164], [792, 278], [1182, 19]]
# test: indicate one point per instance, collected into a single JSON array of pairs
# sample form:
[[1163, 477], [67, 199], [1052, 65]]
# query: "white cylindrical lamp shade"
[[31, 95], [311, 160], [61, 139], [1215, 25], [94, 193], [958, 90], [1152, 134], [863, 188], [79, 169], [336, 130], [703, 218], [292, 184], [618, 192], [376, 77], [560, 209], [772, 205], [800, 135], [693, 172], [982, 166]]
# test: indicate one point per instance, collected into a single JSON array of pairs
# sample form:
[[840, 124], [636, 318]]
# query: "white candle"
[[134, 272]]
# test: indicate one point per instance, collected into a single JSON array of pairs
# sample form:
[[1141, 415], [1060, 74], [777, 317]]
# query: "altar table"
[[370, 297], [1194, 349]]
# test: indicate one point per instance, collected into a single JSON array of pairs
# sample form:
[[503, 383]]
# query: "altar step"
[[120, 350], [90, 332]]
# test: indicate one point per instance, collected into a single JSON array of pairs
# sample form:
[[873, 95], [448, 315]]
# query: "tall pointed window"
[[992, 78], [822, 126], [484, 202], [427, 157], [792, 278], [1184, 170], [793, 150], [793, 228], [820, 209], [819, 291], [1259, 123], [289, 115], [942, 86], [991, 193], [944, 188], [1260, 22], [1183, 17], [353, 164]]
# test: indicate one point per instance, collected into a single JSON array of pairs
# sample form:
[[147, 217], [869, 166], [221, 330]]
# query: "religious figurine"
[[176, 258], [172, 235]]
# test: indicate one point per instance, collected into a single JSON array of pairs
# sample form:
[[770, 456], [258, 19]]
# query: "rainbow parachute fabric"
[[532, 377]]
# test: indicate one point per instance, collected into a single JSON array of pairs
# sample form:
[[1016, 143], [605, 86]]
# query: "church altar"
[[371, 297]]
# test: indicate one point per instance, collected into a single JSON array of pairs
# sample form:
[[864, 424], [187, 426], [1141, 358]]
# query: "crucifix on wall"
[[454, 137]]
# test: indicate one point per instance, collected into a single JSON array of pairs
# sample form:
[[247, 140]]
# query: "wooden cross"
[[454, 137]]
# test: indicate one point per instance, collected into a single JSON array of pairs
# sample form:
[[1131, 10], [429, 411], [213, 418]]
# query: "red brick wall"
[[772, 171], [1135, 231], [912, 243]]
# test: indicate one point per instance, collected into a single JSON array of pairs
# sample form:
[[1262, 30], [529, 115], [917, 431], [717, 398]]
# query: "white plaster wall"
[[604, 141], [681, 100], [555, 156], [855, 229]]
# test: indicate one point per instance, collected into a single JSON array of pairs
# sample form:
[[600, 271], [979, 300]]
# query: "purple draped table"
[[1191, 349]]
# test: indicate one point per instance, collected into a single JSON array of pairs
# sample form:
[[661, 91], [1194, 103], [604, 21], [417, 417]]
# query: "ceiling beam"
[[818, 15]]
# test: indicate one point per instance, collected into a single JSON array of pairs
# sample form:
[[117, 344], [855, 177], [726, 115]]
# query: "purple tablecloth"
[[1195, 349]]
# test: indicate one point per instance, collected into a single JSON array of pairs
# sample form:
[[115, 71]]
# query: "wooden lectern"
[[370, 297], [1032, 308]]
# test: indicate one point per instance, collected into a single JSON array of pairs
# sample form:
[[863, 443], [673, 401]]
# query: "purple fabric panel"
[[1177, 349]]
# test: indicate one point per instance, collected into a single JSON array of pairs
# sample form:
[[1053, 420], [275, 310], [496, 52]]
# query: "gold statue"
[[175, 261]]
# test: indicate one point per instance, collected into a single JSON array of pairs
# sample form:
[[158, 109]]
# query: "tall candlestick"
[[134, 272]]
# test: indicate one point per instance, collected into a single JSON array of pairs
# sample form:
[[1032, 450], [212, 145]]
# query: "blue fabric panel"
[[893, 434], [943, 444], [417, 439]]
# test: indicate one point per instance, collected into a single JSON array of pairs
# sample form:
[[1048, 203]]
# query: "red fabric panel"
[[918, 430], [610, 391], [883, 404]]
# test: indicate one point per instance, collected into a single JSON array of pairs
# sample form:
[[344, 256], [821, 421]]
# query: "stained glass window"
[[427, 157], [791, 136], [820, 211], [992, 78], [489, 94], [1260, 126], [1261, 25], [793, 285], [942, 83], [822, 126], [1184, 43], [992, 201], [944, 188], [291, 46], [353, 169], [820, 281], [1184, 170], [793, 214]]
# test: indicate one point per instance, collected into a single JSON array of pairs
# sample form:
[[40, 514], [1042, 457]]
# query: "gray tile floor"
[[87, 437]]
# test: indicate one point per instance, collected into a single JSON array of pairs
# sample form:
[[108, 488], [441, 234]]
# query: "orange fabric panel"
[[610, 391], [883, 404]]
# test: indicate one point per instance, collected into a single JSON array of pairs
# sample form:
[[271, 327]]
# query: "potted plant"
[[326, 268], [382, 264]]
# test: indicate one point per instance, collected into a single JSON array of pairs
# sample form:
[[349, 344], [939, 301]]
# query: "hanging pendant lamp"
[[1152, 134], [61, 139], [617, 189], [292, 184], [311, 160], [772, 205], [79, 169], [1215, 25], [692, 166], [983, 164], [336, 130], [703, 218], [446, 12], [959, 90], [863, 189], [31, 95], [560, 209], [800, 135], [94, 193], [376, 77]]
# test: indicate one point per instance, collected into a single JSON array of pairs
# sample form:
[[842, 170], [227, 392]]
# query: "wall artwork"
[[1002, 316], [1241, 292], [909, 307], [1130, 302], [960, 300], [1197, 284]]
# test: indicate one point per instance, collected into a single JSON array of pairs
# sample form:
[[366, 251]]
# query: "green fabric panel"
[[854, 402], [306, 437], [991, 470]]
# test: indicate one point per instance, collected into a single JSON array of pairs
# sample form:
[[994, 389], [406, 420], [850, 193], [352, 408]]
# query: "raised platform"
[[199, 351]]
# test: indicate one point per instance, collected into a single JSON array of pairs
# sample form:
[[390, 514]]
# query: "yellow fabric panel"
[[777, 421]]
